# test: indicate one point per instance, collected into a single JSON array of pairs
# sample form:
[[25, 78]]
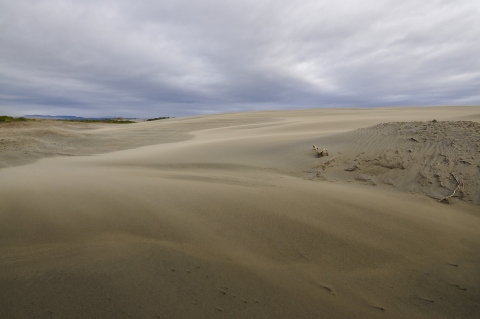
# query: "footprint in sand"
[[458, 287]]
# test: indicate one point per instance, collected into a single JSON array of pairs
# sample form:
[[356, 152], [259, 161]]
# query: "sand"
[[436, 158], [234, 216]]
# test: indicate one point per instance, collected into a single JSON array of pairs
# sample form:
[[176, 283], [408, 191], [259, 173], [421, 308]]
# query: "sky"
[[149, 58]]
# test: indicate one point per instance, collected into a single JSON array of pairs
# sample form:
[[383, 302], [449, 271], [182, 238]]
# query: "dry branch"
[[323, 152], [460, 186]]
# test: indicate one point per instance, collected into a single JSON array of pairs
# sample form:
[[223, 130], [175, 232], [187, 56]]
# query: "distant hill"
[[70, 117], [62, 117]]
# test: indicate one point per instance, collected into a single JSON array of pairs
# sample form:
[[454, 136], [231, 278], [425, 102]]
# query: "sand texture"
[[234, 216], [438, 159]]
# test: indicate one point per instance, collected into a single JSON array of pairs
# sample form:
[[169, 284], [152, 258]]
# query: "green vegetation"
[[158, 118], [7, 119], [111, 121]]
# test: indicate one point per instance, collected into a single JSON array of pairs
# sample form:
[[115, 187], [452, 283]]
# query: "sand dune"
[[232, 215], [439, 159]]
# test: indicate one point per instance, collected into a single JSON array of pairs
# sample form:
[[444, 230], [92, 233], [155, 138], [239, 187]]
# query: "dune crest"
[[436, 158]]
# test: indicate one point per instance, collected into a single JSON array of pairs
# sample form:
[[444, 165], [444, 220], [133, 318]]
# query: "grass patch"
[[8, 119], [110, 121], [159, 118]]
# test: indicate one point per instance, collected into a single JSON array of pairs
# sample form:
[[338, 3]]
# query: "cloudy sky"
[[148, 58]]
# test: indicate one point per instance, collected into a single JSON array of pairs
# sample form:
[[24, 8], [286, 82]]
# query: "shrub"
[[7, 119]]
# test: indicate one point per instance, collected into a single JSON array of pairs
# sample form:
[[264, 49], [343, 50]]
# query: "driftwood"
[[460, 187], [322, 153]]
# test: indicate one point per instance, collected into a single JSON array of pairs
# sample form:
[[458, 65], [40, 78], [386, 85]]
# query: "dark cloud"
[[173, 58]]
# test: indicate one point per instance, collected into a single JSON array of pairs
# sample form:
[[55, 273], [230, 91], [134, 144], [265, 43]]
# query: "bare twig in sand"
[[456, 179], [460, 187], [323, 152], [464, 161]]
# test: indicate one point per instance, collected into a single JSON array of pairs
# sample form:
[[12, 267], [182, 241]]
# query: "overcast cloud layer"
[[186, 57]]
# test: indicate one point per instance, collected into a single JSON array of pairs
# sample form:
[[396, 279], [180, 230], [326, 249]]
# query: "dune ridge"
[[438, 159], [224, 220]]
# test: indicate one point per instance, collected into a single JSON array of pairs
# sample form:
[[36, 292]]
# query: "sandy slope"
[[218, 216], [437, 158]]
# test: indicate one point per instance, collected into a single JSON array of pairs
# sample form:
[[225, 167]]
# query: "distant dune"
[[234, 216]]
